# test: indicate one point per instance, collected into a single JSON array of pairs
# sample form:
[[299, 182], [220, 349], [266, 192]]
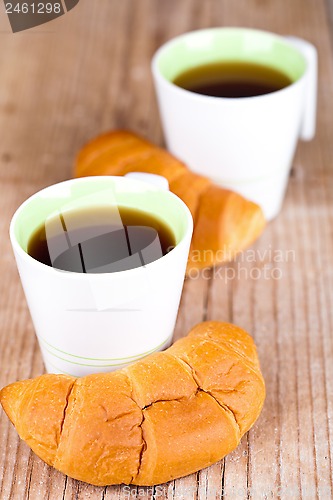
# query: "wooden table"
[[87, 72]]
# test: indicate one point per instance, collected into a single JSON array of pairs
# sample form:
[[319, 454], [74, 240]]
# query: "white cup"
[[244, 144], [88, 323]]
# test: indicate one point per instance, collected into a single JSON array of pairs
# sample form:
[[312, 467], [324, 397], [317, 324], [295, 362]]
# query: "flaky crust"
[[164, 417], [225, 223]]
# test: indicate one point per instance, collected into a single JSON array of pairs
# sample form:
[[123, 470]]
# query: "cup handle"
[[309, 51], [154, 179]]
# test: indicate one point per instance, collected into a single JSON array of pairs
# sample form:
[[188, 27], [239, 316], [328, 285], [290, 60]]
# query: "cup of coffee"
[[233, 104], [102, 262]]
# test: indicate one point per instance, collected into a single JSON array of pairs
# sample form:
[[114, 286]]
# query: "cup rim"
[[202, 97], [85, 276]]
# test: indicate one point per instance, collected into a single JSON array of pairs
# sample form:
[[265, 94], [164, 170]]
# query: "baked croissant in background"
[[225, 223], [164, 417]]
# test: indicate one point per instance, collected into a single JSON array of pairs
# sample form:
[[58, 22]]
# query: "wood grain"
[[89, 71]]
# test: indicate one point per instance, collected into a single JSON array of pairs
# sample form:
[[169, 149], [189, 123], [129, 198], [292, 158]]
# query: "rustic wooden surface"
[[88, 72]]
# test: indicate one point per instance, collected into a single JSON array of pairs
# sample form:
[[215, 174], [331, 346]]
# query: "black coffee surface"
[[101, 240], [232, 79]]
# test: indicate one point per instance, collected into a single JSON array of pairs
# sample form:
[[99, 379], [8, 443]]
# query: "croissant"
[[225, 223], [164, 417]]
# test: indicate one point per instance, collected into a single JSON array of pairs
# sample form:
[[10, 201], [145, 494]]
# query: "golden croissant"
[[161, 418], [225, 223]]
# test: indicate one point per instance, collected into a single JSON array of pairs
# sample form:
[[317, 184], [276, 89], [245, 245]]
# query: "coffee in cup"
[[126, 305], [234, 102]]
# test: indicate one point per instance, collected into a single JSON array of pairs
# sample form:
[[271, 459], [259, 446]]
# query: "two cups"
[[87, 323]]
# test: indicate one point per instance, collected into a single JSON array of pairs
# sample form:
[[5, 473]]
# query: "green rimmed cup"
[[88, 323], [244, 144]]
